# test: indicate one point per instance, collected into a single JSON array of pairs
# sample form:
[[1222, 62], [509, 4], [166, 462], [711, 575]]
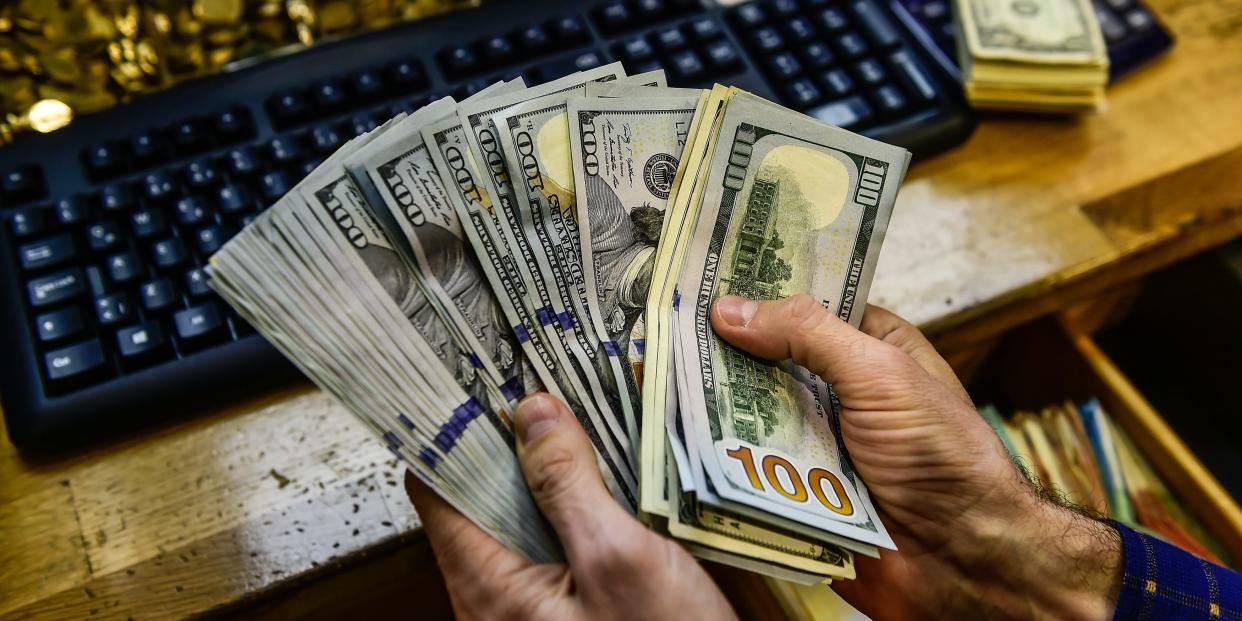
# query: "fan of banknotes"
[[570, 238], [1041, 56]]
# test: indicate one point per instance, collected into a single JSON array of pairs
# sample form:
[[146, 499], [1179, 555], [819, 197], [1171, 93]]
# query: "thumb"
[[798, 328], [560, 467]]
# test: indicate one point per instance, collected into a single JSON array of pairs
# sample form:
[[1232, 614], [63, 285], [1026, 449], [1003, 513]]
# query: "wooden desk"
[[1027, 217]]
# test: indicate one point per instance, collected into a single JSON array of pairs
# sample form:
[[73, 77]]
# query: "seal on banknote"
[[658, 174]]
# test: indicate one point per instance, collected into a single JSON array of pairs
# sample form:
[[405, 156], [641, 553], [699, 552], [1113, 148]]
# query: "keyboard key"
[[117, 196], [648, 10], [722, 56], [767, 39], [800, 29], [1110, 26], [285, 149], [103, 236], [158, 187], [148, 147], [199, 325], [329, 97], [189, 136], [28, 222], [783, 8], [233, 124], [588, 60], [750, 15], [635, 50], [458, 60], [870, 71], [196, 282], [191, 210], [274, 185], [802, 94], [837, 82], [22, 184], [852, 44], [362, 123], [113, 309], [202, 173], [141, 343], [614, 17], [784, 66], [833, 19], [704, 29], [72, 210], [95, 281], [687, 65], [242, 161], [104, 160], [366, 85], [818, 55], [47, 253], [124, 268], [148, 223], [158, 295], [912, 75], [287, 108], [1139, 20], [56, 288], [569, 30], [234, 199], [844, 113], [935, 10], [324, 138], [407, 75], [76, 365], [670, 39], [210, 239], [875, 23], [59, 325], [890, 98], [498, 49], [533, 38], [169, 253]]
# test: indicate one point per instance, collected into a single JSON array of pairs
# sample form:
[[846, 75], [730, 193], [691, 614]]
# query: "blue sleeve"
[[1165, 582]]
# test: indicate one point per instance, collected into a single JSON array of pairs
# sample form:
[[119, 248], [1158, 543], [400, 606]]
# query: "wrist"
[[1028, 557]]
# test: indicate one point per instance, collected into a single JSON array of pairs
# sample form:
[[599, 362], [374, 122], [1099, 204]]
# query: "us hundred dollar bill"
[[1051, 31], [625, 154], [789, 206]]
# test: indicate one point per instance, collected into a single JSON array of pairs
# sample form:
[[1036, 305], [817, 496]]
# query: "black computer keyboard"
[[106, 317], [1132, 33]]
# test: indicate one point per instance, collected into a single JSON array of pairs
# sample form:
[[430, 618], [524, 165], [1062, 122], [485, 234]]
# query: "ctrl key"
[[76, 365], [200, 325]]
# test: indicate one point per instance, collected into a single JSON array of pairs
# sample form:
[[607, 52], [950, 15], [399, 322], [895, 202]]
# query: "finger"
[[888, 327], [560, 467], [798, 328], [463, 551]]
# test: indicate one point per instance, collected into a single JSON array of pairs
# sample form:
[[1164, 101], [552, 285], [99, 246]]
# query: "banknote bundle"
[[1045, 56], [569, 238]]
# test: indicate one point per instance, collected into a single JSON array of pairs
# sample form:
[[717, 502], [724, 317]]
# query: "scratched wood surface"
[[1027, 217]]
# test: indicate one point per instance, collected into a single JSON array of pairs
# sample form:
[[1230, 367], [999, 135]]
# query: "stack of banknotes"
[[1040, 56], [570, 238]]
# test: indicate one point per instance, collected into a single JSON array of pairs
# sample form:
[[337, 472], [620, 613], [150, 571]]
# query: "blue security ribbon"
[[640, 345], [429, 458], [676, 299], [405, 420], [546, 316], [522, 334], [474, 360], [610, 347], [567, 322], [513, 388]]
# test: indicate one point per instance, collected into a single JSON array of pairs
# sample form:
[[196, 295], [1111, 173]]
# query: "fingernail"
[[736, 311], [535, 416]]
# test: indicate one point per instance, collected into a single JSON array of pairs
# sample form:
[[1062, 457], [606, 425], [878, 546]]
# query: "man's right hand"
[[974, 539]]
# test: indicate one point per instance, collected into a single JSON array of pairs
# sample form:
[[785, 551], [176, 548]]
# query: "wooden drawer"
[[1053, 360]]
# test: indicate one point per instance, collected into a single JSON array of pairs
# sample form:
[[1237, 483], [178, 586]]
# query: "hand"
[[617, 569], [974, 539]]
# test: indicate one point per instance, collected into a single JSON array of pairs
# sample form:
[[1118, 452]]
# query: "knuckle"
[[803, 312]]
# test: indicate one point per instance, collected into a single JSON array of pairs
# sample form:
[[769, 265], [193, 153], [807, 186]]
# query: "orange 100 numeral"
[[815, 480]]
